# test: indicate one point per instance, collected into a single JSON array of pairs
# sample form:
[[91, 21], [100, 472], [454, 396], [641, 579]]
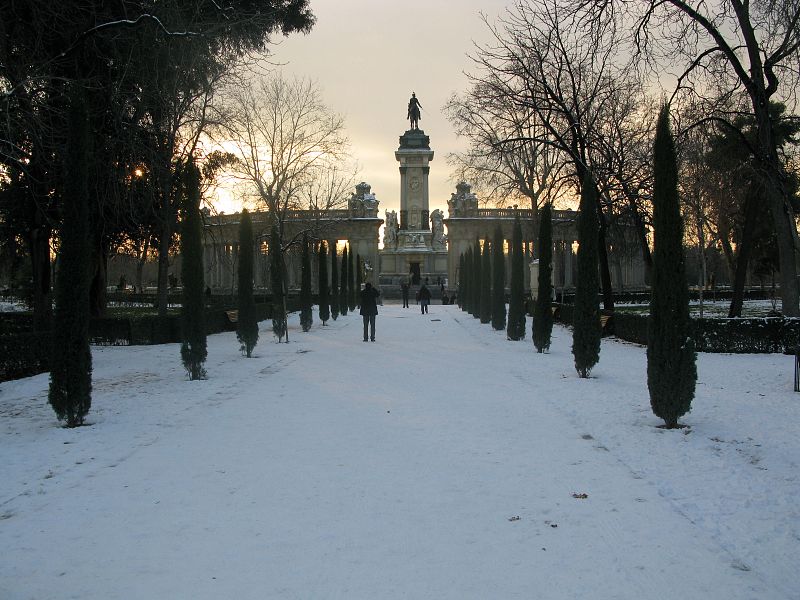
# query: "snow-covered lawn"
[[441, 461]]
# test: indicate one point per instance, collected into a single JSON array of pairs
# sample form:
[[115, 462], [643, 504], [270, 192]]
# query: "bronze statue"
[[414, 111]]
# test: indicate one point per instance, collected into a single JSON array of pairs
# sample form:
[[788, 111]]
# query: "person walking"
[[404, 291], [424, 298], [369, 309]]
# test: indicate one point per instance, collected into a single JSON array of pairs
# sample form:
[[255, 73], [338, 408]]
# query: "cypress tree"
[[586, 331], [334, 283], [498, 281], [461, 277], [485, 310], [322, 284], [193, 348], [246, 323], [671, 366], [358, 280], [276, 278], [477, 280], [351, 282], [466, 274], [343, 300], [516, 302], [542, 312], [70, 392], [306, 300]]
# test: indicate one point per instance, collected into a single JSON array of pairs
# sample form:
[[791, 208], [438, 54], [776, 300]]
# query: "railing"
[[509, 213], [294, 215]]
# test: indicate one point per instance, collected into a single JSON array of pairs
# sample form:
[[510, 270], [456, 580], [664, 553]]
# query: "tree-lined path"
[[441, 461]]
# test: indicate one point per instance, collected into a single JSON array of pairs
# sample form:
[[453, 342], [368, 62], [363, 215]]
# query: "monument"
[[414, 249]]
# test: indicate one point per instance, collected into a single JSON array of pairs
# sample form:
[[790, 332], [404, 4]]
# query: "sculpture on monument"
[[390, 232], [463, 201], [437, 229], [363, 202], [414, 111]]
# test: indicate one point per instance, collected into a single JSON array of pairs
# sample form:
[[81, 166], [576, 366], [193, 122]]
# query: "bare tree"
[[743, 48], [291, 153], [285, 139], [508, 158], [540, 64]]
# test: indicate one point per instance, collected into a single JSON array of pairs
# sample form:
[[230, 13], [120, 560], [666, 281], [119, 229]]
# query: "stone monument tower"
[[415, 248], [414, 154]]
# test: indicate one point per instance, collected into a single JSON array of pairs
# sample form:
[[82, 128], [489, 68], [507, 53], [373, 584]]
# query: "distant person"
[[445, 298], [404, 290], [424, 298], [369, 309]]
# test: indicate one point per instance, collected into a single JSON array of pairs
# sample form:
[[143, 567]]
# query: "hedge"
[[736, 336], [24, 355], [138, 331]]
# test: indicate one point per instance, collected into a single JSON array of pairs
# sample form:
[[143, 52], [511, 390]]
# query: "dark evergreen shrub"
[[359, 269], [671, 367], [276, 272], [70, 392], [343, 300], [461, 287], [485, 309], [477, 280], [351, 282], [322, 284], [516, 302], [542, 312], [467, 274], [246, 323], [498, 281], [193, 347], [586, 330], [306, 300], [334, 283]]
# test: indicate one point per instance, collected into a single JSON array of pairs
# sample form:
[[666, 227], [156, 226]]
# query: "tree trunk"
[[743, 255], [602, 255], [140, 262], [641, 233], [163, 270], [97, 288], [777, 197], [785, 234], [39, 245]]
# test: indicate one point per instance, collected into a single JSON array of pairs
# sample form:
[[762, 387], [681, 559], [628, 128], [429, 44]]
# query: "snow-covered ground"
[[442, 461]]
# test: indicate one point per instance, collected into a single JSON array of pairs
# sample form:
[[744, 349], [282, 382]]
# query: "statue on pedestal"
[[437, 229], [363, 202], [390, 231], [414, 111]]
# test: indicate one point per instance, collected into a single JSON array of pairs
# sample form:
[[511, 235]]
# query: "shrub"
[[193, 348], [246, 325], [542, 313], [671, 366], [586, 330]]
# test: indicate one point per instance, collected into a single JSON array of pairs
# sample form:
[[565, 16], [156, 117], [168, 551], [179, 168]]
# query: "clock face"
[[414, 183]]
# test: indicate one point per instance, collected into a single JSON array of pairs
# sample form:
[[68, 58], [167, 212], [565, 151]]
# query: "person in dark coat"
[[424, 298], [369, 309], [404, 290]]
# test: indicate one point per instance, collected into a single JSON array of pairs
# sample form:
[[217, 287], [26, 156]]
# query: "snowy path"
[[438, 462]]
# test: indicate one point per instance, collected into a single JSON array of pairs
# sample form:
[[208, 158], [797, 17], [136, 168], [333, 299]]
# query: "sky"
[[368, 57]]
